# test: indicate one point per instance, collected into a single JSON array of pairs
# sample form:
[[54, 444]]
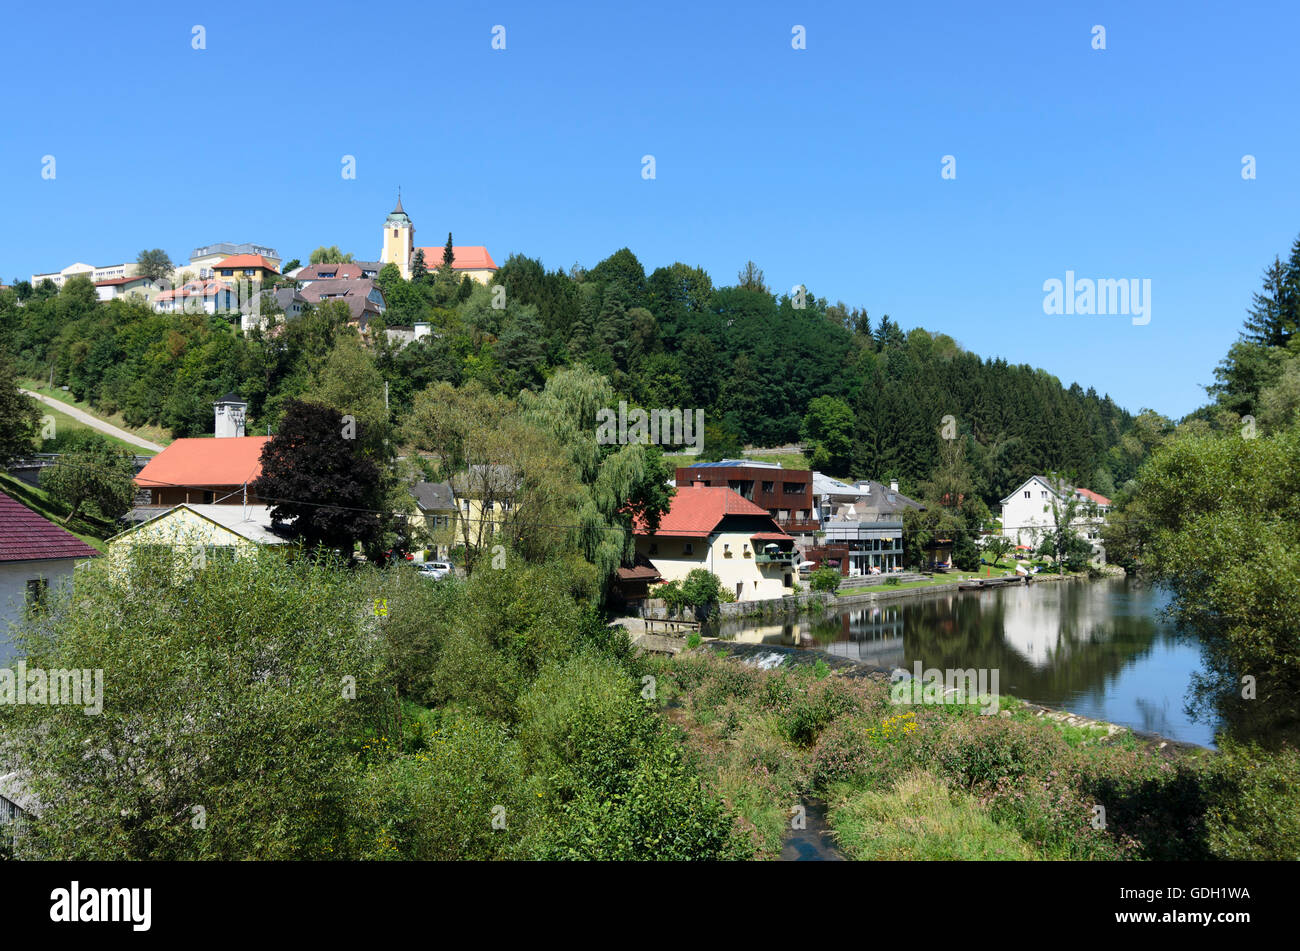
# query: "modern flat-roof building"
[[203, 261], [107, 272], [786, 494]]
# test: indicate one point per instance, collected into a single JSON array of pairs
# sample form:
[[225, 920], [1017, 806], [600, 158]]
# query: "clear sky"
[[823, 165]]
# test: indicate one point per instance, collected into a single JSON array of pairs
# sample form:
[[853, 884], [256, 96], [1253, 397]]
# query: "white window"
[[1027, 493]]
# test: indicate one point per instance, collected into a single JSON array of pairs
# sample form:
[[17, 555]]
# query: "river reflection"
[[1100, 649]]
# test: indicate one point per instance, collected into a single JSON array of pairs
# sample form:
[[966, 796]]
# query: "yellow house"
[[484, 497], [435, 519], [201, 532]]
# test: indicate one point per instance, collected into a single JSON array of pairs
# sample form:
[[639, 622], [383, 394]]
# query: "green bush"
[[462, 796], [824, 579], [613, 783], [1254, 804]]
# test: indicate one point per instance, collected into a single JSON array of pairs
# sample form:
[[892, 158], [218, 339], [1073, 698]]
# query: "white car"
[[437, 570]]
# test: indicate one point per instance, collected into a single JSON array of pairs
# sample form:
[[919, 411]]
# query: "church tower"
[[399, 240]]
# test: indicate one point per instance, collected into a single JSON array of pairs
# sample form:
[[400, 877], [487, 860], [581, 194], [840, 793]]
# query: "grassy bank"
[[931, 781]]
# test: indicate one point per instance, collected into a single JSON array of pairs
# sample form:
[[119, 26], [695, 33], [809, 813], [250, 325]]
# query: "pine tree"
[[419, 270], [1271, 318]]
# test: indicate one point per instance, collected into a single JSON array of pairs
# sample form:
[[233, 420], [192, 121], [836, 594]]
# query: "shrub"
[[983, 751], [1254, 804], [440, 803], [824, 579]]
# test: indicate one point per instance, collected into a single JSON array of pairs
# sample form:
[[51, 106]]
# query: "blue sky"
[[822, 165]]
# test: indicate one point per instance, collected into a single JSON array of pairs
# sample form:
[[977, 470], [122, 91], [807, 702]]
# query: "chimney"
[[230, 411], [893, 485]]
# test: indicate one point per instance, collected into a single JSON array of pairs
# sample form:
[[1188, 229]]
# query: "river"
[[1100, 649]]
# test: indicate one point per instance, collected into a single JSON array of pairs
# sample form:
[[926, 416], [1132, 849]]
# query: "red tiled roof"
[[696, 510], [28, 536], [232, 460], [246, 260], [207, 288], [122, 280], [473, 257], [318, 272], [1089, 494]]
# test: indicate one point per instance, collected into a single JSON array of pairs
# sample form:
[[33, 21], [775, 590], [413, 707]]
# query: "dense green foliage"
[[281, 708], [1213, 514], [765, 369]]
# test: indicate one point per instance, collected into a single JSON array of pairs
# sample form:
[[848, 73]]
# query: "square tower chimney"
[[230, 412]]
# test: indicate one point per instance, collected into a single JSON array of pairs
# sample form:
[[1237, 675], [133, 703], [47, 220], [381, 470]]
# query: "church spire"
[[398, 210]]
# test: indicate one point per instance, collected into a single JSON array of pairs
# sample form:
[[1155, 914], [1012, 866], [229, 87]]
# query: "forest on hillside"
[[868, 398]]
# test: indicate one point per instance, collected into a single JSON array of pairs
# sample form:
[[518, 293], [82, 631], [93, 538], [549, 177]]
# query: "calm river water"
[[1096, 648]]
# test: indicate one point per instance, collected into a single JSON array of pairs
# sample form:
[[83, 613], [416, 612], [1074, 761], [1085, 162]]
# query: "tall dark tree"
[[419, 270], [154, 264], [321, 486]]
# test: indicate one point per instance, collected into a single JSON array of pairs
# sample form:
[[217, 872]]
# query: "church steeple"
[[399, 239]]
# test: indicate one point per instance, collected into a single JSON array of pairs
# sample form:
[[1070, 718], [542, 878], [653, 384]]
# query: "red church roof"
[[232, 460], [473, 257], [27, 536], [697, 510]]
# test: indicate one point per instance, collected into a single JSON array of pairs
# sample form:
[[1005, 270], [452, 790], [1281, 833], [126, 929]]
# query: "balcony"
[[785, 558]]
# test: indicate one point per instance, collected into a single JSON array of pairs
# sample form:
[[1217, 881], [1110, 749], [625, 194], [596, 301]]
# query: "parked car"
[[436, 570]]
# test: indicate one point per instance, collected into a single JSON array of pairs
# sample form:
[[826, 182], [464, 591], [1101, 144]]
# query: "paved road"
[[94, 423]]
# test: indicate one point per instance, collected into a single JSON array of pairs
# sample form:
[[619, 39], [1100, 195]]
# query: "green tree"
[[750, 278], [94, 474], [224, 733], [154, 264], [419, 270], [320, 483], [330, 255], [828, 425], [20, 417]]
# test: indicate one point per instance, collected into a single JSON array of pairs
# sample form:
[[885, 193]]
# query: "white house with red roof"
[[35, 556], [720, 530], [1027, 512], [202, 296], [140, 286]]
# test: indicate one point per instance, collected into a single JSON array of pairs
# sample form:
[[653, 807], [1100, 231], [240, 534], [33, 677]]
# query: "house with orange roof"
[[255, 268], [718, 529], [217, 471], [139, 286]]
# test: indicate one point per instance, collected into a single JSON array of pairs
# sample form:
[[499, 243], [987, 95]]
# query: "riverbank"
[[771, 657], [778, 737]]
